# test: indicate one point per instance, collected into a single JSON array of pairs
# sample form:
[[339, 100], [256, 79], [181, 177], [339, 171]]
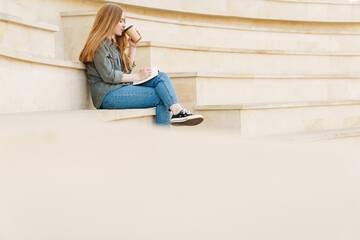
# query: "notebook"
[[154, 73]]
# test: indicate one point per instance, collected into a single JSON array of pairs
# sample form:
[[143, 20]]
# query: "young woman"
[[108, 69]]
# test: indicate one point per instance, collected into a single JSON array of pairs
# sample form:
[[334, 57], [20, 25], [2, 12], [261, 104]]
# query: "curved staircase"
[[225, 56]]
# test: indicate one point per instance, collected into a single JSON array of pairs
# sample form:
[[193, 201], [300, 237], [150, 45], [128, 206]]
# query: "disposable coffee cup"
[[132, 33]]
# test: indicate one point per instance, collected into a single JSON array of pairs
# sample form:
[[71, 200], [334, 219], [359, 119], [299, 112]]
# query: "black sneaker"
[[185, 118]]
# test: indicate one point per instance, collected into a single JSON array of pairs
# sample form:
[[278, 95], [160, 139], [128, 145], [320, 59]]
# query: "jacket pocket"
[[114, 62]]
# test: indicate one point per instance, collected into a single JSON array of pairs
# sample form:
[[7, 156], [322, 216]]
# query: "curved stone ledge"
[[321, 2], [27, 38], [41, 60], [247, 51], [317, 135], [302, 116], [212, 25], [257, 6], [260, 35], [26, 22], [191, 58], [257, 106], [79, 115], [253, 76]]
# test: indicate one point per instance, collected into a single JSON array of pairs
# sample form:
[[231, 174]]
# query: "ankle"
[[176, 108]]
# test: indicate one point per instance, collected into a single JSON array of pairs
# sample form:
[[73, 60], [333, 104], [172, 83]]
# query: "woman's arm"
[[130, 78], [104, 67], [132, 49], [132, 52], [109, 75], [144, 73]]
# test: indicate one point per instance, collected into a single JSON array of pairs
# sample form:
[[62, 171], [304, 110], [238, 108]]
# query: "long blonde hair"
[[105, 21]]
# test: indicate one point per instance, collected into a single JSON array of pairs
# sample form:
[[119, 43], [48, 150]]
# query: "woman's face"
[[120, 26]]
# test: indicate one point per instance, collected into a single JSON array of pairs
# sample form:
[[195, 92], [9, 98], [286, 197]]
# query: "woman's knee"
[[163, 75]]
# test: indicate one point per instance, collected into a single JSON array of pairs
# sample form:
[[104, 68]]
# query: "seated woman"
[[108, 69]]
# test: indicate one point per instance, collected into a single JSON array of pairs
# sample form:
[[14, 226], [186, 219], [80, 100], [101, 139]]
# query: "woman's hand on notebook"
[[144, 73], [154, 73]]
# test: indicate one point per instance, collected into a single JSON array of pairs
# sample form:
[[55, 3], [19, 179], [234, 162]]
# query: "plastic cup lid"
[[128, 28]]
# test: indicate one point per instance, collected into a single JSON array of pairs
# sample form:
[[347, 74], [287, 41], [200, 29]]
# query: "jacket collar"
[[108, 41]]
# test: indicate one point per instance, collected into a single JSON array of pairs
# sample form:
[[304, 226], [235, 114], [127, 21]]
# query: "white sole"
[[188, 121]]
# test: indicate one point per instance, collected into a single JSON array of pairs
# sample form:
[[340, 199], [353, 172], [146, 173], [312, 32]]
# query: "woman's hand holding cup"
[[132, 43], [133, 34]]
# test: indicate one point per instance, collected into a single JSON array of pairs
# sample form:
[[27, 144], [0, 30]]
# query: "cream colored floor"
[[98, 181]]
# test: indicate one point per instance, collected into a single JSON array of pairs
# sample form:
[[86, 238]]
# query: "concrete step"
[[223, 10], [270, 35], [145, 117], [206, 88], [316, 136], [27, 36], [36, 83], [311, 11], [341, 11], [46, 12], [281, 118], [190, 58]]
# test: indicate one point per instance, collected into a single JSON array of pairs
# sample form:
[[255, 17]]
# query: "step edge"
[[316, 135], [121, 114], [312, 2], [27, 22], [210, 25], [107, 114], [27, 57], [275, 105], [216, 14], [257, 76], [157, 44]]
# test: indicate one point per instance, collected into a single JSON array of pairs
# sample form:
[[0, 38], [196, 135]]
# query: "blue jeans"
[[158, 92]]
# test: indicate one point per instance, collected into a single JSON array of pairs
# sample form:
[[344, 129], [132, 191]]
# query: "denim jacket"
[[105, 73]]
